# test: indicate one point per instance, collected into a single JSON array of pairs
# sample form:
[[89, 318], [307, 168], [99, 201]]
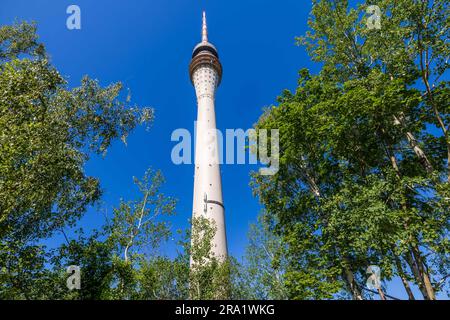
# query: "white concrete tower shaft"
[[206, 73]]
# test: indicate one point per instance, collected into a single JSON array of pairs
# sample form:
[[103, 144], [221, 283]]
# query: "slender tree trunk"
[[425, 72], [305, 172], [351, 282], [352, 285], [348, 274], [417, 276], [415, 262], [424, 273], [414, 144], [381, 293], [400, 120], [134, 231], [402, 275], [389, 153]]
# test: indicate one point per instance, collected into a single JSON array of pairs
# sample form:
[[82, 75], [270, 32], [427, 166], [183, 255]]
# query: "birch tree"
[[47, 133], [363, 177]]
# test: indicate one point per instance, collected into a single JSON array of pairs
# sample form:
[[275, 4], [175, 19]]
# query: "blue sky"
[[147, 45]]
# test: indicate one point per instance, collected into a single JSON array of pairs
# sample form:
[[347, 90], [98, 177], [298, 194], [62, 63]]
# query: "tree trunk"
[[351, 282], [415, 261], [402, 275], [305, 172], [424, 273], [424, 66], [417, 276], [381, 293], [400, 120], [348, 274], [414, 144]]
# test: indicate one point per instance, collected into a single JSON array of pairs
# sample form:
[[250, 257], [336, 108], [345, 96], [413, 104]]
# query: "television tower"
[[205, 71]]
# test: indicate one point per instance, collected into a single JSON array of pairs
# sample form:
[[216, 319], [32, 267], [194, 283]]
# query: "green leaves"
[[19, 38], [360, 169], [261, 274], [47, 132], [209, 276], [139, 225]]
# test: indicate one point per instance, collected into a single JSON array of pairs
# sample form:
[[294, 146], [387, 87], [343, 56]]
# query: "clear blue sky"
[[147, 45]]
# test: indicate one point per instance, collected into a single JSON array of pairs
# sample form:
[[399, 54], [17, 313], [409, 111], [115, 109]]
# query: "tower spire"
[[204, 29]]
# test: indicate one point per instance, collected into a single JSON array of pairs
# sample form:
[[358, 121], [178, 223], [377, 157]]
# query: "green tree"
[[363, 176], [47, 133], [162, 278], [209, 275], [97, 268], [136, 230], [121, 261], [261, 276]]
